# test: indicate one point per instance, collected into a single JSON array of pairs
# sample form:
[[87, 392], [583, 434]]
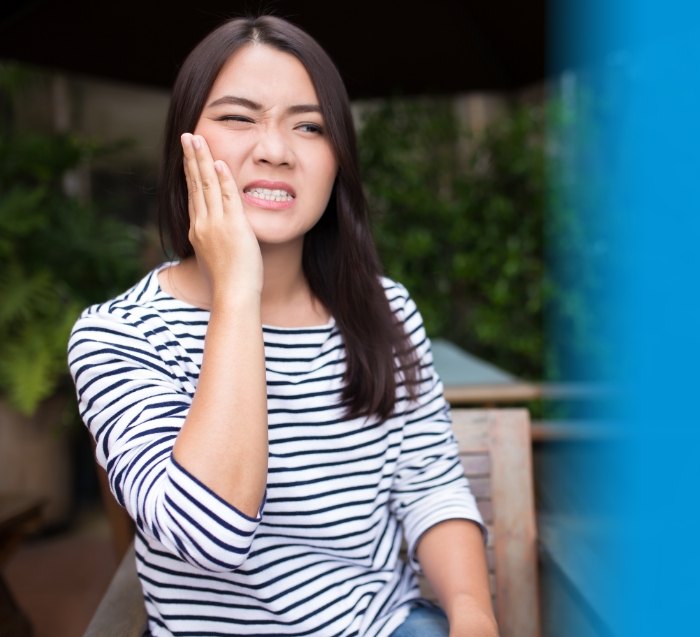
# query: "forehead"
[[266, 75]]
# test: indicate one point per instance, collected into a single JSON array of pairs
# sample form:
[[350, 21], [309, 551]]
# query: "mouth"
[[269, 194]]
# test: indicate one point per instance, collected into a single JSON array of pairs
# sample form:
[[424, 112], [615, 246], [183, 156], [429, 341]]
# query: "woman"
[[266, 406]]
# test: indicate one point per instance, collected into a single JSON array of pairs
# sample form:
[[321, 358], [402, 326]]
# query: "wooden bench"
[[496, 453]]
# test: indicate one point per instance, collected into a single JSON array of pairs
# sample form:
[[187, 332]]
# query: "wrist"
[[231, 285], [469, 618], [236, 299]]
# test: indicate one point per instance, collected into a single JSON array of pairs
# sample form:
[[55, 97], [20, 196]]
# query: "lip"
[[270, 185]]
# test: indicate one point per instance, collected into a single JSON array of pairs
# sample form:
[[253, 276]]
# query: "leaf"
[[31, 364], [25, 295]]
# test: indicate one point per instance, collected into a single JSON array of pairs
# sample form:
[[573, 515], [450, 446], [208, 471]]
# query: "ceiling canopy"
[[380, 47]]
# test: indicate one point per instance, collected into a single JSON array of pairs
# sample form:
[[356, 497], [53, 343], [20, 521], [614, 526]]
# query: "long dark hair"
[[339, 259]]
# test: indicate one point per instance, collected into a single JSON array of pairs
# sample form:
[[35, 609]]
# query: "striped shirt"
[[322, 557]]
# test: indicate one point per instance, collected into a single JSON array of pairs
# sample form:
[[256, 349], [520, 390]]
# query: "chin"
[[265, 237], [274, 234]]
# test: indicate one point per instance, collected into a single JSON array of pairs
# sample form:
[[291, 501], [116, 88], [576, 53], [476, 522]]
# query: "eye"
[[310, 127], [233, 120]]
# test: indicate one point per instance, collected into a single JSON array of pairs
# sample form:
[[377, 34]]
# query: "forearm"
[[453, 559], [135, 402], [223, 441]]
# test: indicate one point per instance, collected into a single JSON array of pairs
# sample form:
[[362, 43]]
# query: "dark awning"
[[380, 47]]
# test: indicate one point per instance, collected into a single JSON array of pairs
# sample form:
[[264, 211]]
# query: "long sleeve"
[[429, 483], [134, 395]]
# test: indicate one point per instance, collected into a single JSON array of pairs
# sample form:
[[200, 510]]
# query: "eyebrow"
[[296, 109]]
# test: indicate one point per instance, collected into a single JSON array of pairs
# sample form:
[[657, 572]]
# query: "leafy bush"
[[459, 219], [57, 255]]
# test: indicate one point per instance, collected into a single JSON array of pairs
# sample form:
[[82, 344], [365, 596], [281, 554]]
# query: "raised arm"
[[185, 448], [223, 441]]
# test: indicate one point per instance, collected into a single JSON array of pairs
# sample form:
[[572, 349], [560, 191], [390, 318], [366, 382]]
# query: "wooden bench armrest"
[[121, 612]]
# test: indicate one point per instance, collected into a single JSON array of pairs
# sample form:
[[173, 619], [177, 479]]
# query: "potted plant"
[[57, 255]]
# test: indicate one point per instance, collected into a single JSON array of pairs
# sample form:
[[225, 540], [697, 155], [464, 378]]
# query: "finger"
[[195, 199], [208, 178], [190, 207], [229, 189]]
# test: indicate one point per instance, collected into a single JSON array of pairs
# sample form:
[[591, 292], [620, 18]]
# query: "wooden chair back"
[[495, 450]]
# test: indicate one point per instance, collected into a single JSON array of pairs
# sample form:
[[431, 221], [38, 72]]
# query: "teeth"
[[270, 195]]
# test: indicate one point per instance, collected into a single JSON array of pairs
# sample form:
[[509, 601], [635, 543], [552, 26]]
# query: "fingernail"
[[196, 141]]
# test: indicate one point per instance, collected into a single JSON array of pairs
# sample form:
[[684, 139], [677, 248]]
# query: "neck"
[[283, 276], [286, 300]]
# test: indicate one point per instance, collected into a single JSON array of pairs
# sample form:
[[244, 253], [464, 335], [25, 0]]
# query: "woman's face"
[[262, 117]]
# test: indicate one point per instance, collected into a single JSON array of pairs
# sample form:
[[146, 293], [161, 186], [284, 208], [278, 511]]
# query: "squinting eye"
[[310, 128], [235, 119]]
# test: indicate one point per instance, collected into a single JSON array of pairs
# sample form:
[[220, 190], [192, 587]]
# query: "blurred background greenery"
[[59, 249], [468, 218], [460, 222], [474, 222]]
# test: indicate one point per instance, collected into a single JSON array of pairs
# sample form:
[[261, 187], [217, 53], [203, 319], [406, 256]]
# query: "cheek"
[[328, 171], [325, 190], [232, 154], [223, 144]]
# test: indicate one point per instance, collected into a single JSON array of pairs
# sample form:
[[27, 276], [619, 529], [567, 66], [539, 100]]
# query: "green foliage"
[[57, 255], [459, 219]]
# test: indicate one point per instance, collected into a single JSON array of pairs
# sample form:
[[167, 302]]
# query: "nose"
[[272, 147]]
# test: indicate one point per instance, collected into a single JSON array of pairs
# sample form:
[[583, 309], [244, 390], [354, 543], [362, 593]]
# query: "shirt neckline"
[[321, 327]]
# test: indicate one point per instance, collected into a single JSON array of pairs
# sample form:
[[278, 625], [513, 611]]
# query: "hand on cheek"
[[223, 240]]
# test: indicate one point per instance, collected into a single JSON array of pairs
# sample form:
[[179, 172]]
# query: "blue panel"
[[639, 62]]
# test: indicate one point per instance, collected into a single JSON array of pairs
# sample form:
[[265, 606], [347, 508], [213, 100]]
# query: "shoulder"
[[131, 308], [399, 299], [395, 292]]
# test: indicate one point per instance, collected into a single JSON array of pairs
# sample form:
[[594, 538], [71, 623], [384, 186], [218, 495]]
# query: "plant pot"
[[35, 458]]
